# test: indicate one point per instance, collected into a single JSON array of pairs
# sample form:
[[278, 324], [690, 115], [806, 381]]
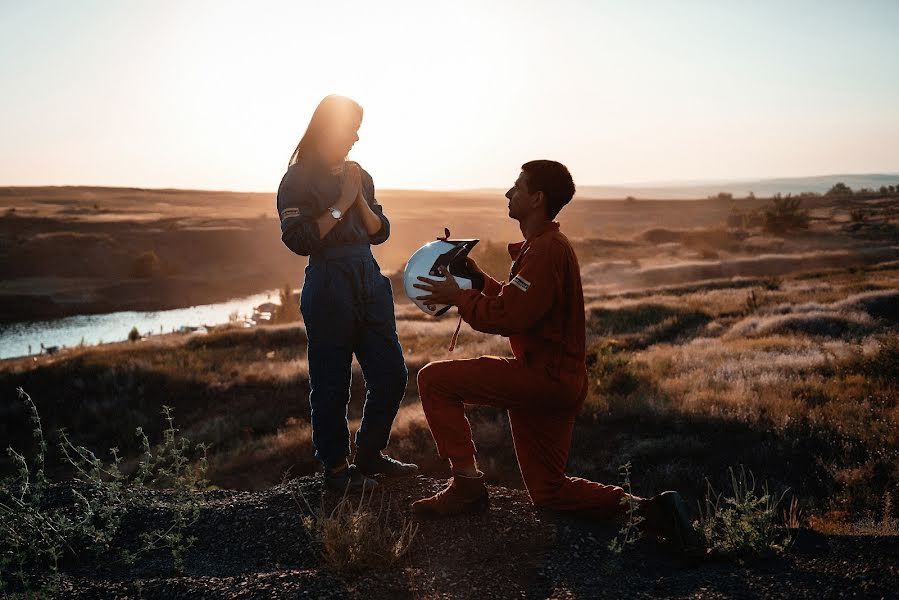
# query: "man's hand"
[[472, 265], [440, 292]]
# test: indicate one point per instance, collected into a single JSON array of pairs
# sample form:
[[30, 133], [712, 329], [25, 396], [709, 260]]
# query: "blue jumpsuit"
[[347, 307]]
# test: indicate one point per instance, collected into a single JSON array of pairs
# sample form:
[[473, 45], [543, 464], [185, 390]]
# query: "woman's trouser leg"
[[380, 355], [327, 305], [329, 377]]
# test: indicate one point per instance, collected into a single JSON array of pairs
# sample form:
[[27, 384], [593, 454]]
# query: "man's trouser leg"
[[541, 414]]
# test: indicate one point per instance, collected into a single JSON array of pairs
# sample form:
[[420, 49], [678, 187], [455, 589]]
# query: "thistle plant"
[[37, 533], [630, 530]]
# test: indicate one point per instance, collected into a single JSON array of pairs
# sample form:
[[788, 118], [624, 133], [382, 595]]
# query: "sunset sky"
[[215, 95]]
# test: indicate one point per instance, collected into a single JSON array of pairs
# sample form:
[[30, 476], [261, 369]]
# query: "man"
[[541, 311]]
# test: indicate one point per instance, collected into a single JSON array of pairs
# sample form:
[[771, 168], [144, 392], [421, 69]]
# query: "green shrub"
[[133, 335], [745, 524], [612, 371]]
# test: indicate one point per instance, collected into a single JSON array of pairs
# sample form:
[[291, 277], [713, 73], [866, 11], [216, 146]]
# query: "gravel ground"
[[254, 545]]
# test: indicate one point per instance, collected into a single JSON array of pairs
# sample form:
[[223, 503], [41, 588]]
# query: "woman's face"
[[336, 147]]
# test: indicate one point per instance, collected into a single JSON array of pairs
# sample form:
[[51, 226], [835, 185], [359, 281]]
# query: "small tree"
[[289, 311], [839, 190], [785, 214], [133, 335], [146, 265]]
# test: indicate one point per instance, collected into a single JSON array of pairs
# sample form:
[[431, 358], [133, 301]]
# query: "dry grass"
[[695, 366], [358, 534]]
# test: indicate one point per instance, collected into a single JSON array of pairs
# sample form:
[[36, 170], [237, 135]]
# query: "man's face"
[[521, 203]]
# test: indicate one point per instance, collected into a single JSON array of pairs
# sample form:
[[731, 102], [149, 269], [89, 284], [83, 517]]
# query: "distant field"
[[709, 346], [67, 251]]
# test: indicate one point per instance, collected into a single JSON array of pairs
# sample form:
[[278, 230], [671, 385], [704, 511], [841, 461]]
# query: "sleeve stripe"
[[521, 283], [290, 212]]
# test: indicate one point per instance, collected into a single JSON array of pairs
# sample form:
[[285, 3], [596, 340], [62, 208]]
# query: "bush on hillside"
[[785, 214]]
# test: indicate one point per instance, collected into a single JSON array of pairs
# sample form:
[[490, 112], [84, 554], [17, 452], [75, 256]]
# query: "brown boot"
[[665, 516], [463, 495]]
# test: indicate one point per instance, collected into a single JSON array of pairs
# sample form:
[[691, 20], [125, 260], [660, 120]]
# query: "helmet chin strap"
[[452, 345]]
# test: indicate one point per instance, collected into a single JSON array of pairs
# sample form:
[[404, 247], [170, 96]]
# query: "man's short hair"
[[553, 179]]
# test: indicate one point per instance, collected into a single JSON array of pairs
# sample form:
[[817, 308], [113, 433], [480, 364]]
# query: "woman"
[[329, 213]]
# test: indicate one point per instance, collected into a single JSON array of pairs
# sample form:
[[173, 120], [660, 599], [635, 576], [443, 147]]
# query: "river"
[[114, 327]]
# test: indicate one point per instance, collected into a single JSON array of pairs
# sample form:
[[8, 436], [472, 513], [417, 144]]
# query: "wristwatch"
[[335, 212]]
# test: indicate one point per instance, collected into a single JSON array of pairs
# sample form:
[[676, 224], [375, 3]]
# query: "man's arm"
[[520, 304], [492, 287]]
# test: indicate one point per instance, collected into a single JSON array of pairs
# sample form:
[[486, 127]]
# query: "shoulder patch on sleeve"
[[521, 283], [290, 212]]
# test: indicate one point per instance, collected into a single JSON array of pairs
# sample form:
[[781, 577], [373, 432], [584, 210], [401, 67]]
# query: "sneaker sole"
[[390, 475]]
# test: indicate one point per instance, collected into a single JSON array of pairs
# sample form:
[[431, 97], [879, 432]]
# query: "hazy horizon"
[[214, 96], [794, 184]]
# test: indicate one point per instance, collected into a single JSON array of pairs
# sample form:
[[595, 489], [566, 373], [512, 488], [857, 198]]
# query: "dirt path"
[[253, 545]]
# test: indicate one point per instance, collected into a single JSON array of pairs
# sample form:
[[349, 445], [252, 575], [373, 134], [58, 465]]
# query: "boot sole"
[[687, 541], [480, 505]]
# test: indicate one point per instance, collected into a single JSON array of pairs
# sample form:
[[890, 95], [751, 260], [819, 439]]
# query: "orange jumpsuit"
[[541, 311]]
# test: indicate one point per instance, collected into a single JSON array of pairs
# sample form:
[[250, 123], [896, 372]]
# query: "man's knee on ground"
[[546, 495]]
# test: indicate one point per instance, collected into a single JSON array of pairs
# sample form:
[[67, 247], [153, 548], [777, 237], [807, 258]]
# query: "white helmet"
[[427, 260]]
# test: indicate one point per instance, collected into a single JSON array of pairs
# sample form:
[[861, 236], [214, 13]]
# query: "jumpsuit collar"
[[316, 164], [515, 248]]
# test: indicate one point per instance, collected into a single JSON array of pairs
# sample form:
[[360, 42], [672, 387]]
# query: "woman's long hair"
[[332, 114]]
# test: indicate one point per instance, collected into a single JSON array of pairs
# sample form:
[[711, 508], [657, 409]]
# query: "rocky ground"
[[254, 545]]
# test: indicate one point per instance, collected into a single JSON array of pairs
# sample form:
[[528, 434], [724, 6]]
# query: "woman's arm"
[[305, 220], [371, 221], [376, 224], [350, 189]]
